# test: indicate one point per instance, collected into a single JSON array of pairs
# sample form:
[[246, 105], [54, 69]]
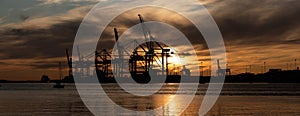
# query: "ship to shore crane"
[[69, 78], [150, 56]]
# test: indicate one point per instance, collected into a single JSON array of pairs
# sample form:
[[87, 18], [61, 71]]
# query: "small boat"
[[45, 79], [58, 83]]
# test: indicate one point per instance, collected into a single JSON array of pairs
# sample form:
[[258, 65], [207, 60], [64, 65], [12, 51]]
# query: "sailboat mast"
[[60, 71]]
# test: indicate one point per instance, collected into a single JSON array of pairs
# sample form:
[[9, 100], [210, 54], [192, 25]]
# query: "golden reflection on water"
[[166, 104], [49, 101], [169, 106]]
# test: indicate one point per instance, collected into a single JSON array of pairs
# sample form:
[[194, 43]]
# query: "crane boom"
[[143, 29], [116, 34]]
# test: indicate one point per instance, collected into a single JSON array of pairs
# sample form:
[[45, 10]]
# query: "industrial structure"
[[150, 57], [147, 60]]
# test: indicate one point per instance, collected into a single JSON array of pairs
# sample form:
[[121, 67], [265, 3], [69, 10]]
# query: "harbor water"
[[235, 99]]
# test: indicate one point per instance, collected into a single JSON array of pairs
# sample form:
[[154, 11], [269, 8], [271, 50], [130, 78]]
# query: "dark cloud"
[[242, 23], [38, 43], [257, 22], [130, 18]]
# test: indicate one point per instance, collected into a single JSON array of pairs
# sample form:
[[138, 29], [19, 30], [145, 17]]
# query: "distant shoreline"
[[270, 77]]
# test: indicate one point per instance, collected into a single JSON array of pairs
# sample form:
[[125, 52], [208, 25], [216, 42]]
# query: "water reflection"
[[156, 101], [237, 99], [165, 99], [140, 103]]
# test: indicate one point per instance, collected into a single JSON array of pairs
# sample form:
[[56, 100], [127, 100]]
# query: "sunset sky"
[[35, 33]]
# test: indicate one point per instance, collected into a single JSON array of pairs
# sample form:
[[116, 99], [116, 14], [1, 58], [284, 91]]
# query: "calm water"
[[235, 99]]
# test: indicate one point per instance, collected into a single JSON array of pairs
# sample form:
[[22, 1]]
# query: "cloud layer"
[[254, 32]]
